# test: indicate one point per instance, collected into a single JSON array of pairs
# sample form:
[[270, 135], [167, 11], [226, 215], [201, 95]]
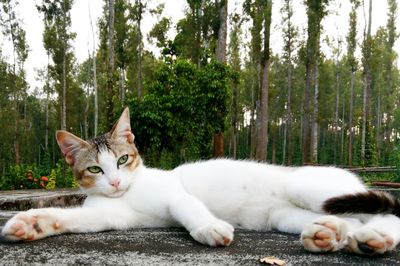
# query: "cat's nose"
[[115, 183]]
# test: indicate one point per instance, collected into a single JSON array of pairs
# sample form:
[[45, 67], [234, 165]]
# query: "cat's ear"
[[70, 145], [122, 129]]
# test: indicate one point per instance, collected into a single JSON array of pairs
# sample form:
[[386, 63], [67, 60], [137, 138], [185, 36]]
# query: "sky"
[[335, 25]]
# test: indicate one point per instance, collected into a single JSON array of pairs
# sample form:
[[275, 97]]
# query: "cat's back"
[[225, 176], [230, 170]]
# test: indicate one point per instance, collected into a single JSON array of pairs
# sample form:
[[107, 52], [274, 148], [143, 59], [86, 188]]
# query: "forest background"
[[214, 88]]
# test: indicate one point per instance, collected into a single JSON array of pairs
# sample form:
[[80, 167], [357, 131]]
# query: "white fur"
[[210, 198]]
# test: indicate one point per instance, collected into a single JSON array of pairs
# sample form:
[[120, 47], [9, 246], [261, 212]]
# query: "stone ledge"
[[20, 200]]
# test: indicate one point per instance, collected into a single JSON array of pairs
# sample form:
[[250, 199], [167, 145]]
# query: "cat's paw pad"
[[326, 234], [217, 234], [367, 241], [28, 226]]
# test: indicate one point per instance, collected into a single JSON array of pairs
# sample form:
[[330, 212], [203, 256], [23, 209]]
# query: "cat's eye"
[[123, 159], [94, 169]]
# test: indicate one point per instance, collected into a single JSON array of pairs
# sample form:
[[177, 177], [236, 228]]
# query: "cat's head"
[[106, 164]]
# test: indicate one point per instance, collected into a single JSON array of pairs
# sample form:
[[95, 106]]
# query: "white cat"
[[210, 198]]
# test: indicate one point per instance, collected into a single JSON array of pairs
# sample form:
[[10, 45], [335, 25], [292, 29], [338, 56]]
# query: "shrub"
[[30, 176]]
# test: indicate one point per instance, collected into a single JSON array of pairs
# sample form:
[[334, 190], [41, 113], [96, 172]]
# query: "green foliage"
[[27, 176], [184, 107]]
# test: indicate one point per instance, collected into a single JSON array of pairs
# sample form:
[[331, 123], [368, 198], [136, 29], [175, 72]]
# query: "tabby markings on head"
[[101, 143]]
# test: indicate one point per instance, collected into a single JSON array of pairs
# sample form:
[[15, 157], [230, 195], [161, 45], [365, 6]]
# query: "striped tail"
[[371, 202]]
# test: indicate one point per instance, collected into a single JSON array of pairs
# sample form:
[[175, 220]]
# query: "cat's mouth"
[[116, 194]]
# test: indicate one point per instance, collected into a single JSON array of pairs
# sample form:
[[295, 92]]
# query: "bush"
[[31, 176]]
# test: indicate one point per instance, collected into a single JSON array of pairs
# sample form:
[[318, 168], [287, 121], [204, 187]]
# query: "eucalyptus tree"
[[316, 10], [57, 37], [260, 13], [220, 54], [234, 62], [290, 32], [366, 62], [352, 62], [391, 79], [11, 26]]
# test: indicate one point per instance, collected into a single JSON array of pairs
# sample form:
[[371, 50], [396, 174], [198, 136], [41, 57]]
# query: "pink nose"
[[115, 183]]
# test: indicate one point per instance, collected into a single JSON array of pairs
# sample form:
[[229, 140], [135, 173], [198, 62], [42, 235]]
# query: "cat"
[[210, 198]]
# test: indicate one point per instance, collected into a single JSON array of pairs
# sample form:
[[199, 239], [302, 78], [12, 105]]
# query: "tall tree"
[[260, 13], [94, 70], [110, 66], [56, 38], [139, 12], [352, 62], [390, 78], [290, 35], [253, 66], [316, 10], [13, 30], [235, 64], [221, 57], [262, 134], [366, 60]]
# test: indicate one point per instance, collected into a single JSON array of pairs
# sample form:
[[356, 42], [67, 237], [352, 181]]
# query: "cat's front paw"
[[30, 225], [367, 241], [326, 234], [217, 234]]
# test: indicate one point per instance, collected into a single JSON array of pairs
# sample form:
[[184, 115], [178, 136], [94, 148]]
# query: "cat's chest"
[[151, 196]]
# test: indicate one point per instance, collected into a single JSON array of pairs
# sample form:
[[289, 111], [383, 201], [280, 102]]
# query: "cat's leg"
[[319, 233], [380, 234], [40, 223], [203, 226], [328, 233]]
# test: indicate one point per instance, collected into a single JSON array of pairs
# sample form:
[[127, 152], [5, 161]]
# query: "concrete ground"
[[172, 246]]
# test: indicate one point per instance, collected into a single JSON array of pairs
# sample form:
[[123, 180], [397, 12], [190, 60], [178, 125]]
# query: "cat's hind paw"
[[326, 234], [29, 225], [367, 241], [217, 234]]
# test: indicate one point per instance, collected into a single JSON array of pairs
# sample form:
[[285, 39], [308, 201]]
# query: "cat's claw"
[[28, 226], [326, 234], [217, 234], [367, 241]]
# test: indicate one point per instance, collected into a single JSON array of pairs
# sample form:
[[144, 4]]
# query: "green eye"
[[123, 159], [94, 169]]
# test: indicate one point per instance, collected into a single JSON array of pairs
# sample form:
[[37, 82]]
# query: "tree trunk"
[[314, 129], [335, 128], [86, 114], [110, 73], [46, 137], [262, 114], [351, 131], [378, 125], [288, 133], [64, 95], [96, 105], [367, 84], [253, 131], [140, 46], [342, 130], [221, 57], [262, 134], [234, 121], [222, 32], [17, 134]]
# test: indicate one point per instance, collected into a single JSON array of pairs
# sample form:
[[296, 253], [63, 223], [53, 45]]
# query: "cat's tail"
[[371, 202]]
